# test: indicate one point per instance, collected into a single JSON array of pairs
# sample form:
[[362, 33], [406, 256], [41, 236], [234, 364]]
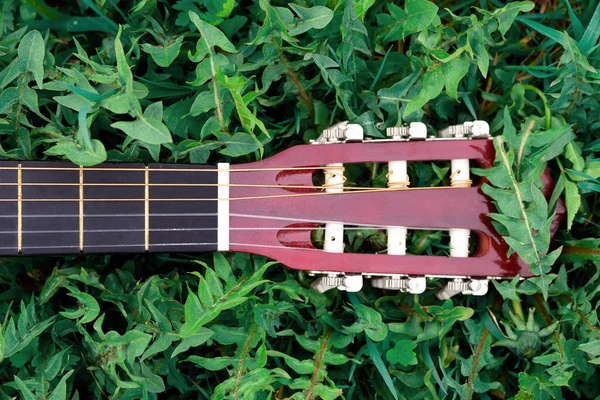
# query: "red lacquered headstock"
[[281, 213]]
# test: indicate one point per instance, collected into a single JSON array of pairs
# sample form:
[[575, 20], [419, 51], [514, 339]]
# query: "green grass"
[[204, 81]]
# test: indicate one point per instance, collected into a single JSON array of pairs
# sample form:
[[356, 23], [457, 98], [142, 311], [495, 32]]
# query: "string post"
[[398, 179], [460, 178], [334, 231]]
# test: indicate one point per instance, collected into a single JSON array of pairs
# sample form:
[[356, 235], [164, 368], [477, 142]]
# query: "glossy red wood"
[[267, 221]]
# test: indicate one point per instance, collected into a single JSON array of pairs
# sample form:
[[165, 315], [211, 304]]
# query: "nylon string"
[[184, 229]]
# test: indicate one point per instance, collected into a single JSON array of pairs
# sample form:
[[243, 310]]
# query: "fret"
[[19, 209], [114, 226], [171, 227], [81, 209], [40, 233], [8, 209], [146, 210]]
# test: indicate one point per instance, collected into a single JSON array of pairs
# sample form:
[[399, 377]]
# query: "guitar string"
[[187, 215], [292, 219], [363, 227], [317, 228], [361, 190], [61, 184], [377, 227], [75, 168]]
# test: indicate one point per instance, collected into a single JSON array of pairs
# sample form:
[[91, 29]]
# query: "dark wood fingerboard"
[[61, 208]]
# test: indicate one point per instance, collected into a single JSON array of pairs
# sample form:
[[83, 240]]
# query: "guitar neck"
[[62, 208]]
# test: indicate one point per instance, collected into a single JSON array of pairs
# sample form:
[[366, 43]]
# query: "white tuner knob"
[[352, 283], [473, 128], [340, 133], [416, 130]]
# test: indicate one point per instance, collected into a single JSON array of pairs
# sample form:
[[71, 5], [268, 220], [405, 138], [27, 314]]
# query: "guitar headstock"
[[275, 207]]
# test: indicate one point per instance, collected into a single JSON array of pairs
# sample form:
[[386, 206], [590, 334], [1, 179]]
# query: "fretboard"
[[61, 208]]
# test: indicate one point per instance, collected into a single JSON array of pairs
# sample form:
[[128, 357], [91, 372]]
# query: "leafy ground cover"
[[204, 81]]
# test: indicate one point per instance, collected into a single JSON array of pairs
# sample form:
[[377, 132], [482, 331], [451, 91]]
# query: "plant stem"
[[547, 113], [540, 302], [318, 363], [245, 351], [518, 309], [476, 358], [301, 92]]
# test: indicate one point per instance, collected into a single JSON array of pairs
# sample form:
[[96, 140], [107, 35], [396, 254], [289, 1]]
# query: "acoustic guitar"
[[272, 207]]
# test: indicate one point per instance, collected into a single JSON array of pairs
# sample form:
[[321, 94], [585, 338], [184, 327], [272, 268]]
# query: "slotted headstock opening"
[[374, 240], [376, 175]]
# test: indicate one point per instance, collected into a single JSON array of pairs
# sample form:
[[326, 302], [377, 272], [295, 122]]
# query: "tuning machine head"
[[474, 129], [341, 133], [416, 130], [334, 280]]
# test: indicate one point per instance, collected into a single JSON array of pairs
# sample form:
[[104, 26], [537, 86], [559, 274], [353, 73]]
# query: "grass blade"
[[550, 33], [381, 368], [578, 29], [592, 33]]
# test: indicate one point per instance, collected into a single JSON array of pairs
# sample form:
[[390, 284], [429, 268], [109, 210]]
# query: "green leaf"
[[402, 353], [368, 321], [193, 341], [272, 24], [210, 37], [508, 290], [134, 342], [31, 56], [573, 201], [196, 315], [76, 154], [592, 348], [355, 42], [88, 304], [591, 34], [381, 368], [241, 144], [164, 54], [507, 14], [125, 75], [204, 102], [2, 345], [433, 83], [25, 391], [146, 128], [454, 71], [544, 30], [303, 367], [420, 14], [310, 18], [573, 154], [60, 391], [577, 26], [476, 41], [361, 7]]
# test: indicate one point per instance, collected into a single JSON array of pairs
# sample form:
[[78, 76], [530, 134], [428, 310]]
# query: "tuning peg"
[[416, 130], [401, 283], [348, 283], [475, 287], [341, 132], [473, 128]]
